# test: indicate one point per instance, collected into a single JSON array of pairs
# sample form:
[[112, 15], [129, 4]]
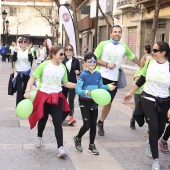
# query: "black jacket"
[[75, 65]]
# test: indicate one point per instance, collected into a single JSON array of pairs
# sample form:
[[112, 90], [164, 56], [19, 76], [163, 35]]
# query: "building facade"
[[134, 16], [25, 19]]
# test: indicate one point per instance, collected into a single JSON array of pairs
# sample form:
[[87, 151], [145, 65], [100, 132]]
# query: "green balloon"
[[101, 96], [32, 95], [24, 108]]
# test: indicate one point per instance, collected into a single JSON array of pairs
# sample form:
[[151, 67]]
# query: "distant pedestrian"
[[41, 54], [3, 53], [89, 80], [12, 48], [49, 98]]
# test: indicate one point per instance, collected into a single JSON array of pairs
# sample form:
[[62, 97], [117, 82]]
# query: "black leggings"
[[136, 99], [156, 123], [56, 113], [21, 84], [167, 133], [89, 120], [70, 93]]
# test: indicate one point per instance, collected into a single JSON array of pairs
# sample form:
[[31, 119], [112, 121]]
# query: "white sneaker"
[[156, 164], [61, 152], [148, 149], [39, 143]]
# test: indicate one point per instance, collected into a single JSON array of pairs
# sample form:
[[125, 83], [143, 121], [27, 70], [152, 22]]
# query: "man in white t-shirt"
[[109, 57]]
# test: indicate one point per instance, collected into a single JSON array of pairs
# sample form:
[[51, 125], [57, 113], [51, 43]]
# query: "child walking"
[[89, 80], [49, 98]]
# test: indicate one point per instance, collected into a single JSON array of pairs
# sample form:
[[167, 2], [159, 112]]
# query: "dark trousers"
[[56, 113], [70, 94], [21, 84], [3, 57], [136, 99], [166, 133], [113, 92], [8, 57], [89, 120], [156, 122]]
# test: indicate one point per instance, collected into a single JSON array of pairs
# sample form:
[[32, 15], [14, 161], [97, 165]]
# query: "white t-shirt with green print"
[[157, 78], [50, 77], [22, 63], [108, 52]]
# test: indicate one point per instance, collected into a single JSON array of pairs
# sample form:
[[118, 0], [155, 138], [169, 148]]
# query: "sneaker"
[[39, 143], [148, 149], [71, 120], [61, 152], [78, 144], [156, 164], [132, 124], [92, 149], [100, 129], [164, 146]]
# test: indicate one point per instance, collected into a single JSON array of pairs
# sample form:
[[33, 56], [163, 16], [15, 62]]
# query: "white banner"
[[67, 21]]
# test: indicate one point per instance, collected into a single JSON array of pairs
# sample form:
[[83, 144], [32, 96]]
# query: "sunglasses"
[[23, 42], [69, 49], [90, 61], [61, 54], [155, 50]]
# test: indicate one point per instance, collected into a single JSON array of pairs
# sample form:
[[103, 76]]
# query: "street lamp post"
[[57, 25], [7, 31], [4, 14]]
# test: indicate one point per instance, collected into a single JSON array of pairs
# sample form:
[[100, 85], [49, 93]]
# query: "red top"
[[38, 106]]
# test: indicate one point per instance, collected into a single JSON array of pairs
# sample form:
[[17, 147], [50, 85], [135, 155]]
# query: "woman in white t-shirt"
[[22, 58], [49, 98], [155, 97]]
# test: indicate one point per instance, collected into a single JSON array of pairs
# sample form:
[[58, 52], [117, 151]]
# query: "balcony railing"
[[143, 1], [125, 3]]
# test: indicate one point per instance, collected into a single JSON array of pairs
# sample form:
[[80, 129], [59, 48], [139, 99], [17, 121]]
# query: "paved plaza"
[[120, 149]]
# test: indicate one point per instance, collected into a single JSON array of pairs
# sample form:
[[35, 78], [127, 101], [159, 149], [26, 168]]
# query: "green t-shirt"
[[110, 53]]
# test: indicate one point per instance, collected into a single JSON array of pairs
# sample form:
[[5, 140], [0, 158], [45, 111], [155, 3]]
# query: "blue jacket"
[[3, 49], [89, 81]]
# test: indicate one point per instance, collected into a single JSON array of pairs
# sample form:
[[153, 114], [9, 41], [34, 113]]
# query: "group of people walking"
[[60, 79]]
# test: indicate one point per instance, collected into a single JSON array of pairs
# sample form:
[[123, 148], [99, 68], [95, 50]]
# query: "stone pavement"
[[120, 149]]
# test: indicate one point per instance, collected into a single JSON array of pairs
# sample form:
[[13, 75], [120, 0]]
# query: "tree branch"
[[103, 14]]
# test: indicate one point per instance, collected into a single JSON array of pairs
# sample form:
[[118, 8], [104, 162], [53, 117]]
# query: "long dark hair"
[[148, 48]]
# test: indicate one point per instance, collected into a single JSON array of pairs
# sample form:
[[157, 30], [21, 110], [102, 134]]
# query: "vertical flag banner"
[[67, 21]]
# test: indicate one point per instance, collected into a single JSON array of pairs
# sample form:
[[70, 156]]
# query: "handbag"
[[11, 89], [122, 79]]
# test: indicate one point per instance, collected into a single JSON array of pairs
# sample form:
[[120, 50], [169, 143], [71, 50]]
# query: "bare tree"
[[50, 18], [155, 21]]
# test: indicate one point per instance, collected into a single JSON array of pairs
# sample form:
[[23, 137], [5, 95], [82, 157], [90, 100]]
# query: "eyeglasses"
[[61, 54], [69, 49], [90, 61], [155, 50], [23, 42]]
